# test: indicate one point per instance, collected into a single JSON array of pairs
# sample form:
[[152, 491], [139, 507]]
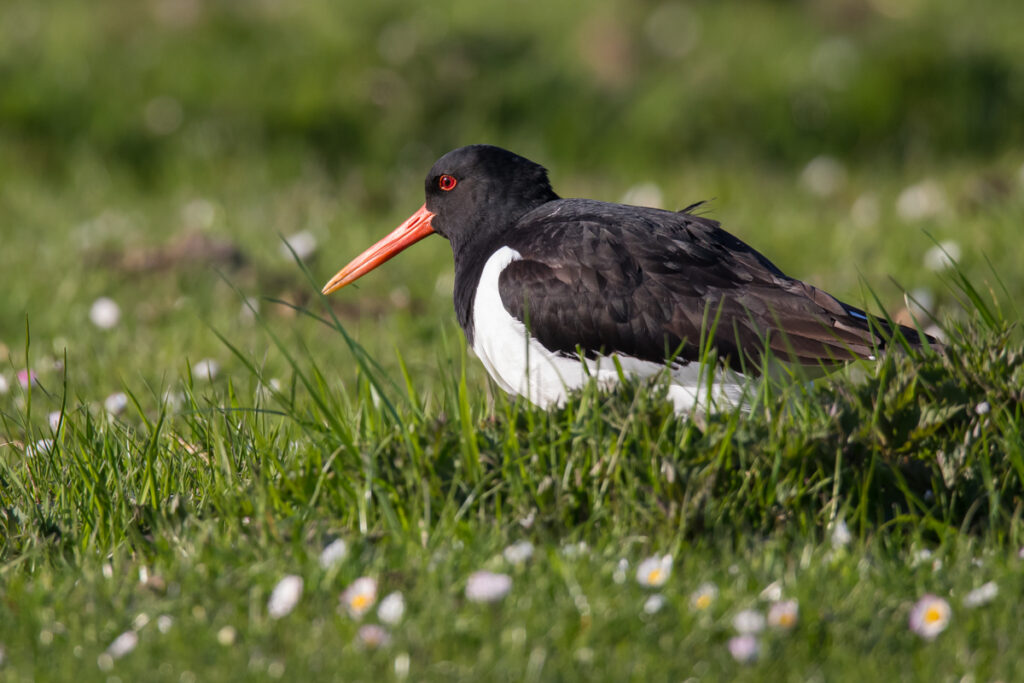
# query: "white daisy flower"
[[930, 616], [115, 403], [982, 595], [285, 596], [105, 313], [704, 596], [360, 596], [206, 369], [484, 586], [40, 447], [772, 592], [748, 621], [744, 648], [303, 243], [654, 571], [391, 609], [164, 623], [823, 176], [518, 553], [841, 535], [334, 553], [942, 256], [783, 614], [654, 603], [123, 644], [926, 199]]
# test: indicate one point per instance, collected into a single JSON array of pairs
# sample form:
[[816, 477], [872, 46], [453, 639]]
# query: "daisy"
[[982, 595], [654, 571], [749, 621], [744, 648], [123, 644], [372, 636], [654, 603], [929, 616], [783, 614], [841, 535], [391, 608], [360, 596], [705, 594], [334, 553], [115, 403], [105, 313], [484, 586], [206, 369], [518, 553], [285, 596]]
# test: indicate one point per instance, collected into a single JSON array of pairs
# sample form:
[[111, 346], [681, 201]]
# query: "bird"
[[554, 292]]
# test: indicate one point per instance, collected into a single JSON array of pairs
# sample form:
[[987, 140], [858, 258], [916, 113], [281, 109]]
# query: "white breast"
[[523, 367]]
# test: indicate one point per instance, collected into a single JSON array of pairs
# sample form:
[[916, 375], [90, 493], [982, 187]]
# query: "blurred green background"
[[156, 152]]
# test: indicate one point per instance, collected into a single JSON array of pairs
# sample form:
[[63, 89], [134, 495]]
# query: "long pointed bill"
[[415, 228]]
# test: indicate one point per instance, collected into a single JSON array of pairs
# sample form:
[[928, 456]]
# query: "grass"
[[363, 418]]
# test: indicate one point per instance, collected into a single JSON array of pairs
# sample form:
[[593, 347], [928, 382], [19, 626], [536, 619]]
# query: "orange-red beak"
[[415, 228]]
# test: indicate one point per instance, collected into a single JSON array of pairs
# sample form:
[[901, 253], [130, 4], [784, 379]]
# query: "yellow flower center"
[[787, 619], [654, 576], [703, 601], [932, 615], [360, 601]]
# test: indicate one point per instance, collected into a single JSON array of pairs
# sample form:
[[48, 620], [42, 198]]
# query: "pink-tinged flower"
[[26, 377], [123, 644], [930, 616], [784, 614], [484, 586], [285, 596], [372, 636], [744, 648], [360, 596], [654, 571]]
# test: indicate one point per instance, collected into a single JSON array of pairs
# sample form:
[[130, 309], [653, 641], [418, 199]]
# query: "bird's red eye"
[[447, 182]]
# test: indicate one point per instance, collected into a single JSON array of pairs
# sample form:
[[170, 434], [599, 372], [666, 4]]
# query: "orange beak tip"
[[412, 230]]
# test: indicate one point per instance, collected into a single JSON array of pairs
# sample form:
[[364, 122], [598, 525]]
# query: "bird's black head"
[[473, 195], [482, 189]]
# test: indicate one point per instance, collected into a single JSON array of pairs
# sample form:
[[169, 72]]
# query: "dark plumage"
[[605, 279]]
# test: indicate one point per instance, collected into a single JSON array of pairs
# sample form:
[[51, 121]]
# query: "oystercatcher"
[[551, 291]]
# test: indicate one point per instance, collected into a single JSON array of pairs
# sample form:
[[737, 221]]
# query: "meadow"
[[210, 472]]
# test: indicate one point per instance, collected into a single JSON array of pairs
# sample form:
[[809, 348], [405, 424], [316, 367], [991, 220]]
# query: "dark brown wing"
[[644, 282]]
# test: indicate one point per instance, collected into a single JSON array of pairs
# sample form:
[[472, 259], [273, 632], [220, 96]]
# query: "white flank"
[[523, 367]]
